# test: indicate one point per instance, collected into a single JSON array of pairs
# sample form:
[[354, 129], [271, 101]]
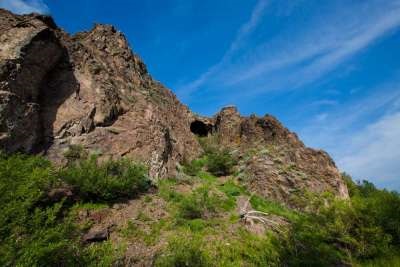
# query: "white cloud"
[[362, 136], [376, 153], [324, 102], [295, 57], [25, 6], [248, 27]]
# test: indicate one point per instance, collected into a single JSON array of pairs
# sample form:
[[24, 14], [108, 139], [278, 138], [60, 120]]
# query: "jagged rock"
[[91, 90], [275, 163], [57, 90]]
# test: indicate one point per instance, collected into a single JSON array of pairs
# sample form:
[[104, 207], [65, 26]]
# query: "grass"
[[264, 205], [36, 230], [108, 181], [240, 249], [392, 260], [199, 226], [149, 234]]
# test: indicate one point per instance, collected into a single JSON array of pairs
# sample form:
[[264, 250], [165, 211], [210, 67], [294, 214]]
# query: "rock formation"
[[90, 89], [273, 161]]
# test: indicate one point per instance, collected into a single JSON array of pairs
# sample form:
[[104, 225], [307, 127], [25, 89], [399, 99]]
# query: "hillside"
[[103, 166], [91, 90]]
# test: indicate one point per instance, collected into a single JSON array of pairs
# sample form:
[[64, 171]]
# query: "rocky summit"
[[91, 90]]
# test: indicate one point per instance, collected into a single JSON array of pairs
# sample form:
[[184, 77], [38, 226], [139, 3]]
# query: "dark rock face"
[[29, 50], [91, 90], [96, 235]]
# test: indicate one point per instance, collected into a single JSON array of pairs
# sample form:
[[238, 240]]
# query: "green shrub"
[[75, 153], [272, 207], [194, 167], [186, 250], [35, 231], [335, 232], [202, 203], [106, 181], [32, 232], [100, 254], [244, 249], [220, 163]]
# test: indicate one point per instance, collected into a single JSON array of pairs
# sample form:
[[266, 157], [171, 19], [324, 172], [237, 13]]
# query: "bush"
[[338, 231], [200, 204], [32, 232], [184, 251], [220, 163], [107, 181], [246, 249], [194, 167]]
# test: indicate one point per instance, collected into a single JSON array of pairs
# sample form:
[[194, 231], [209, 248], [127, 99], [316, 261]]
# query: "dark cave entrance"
[[199, 128]]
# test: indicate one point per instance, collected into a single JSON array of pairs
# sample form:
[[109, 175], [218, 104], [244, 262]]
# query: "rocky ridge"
[[91, 90]]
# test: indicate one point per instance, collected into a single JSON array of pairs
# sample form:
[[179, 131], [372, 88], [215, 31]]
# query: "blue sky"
[[329, 70]]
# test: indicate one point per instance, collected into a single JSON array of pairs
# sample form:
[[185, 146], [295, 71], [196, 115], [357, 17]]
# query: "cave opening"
[[200, 128]]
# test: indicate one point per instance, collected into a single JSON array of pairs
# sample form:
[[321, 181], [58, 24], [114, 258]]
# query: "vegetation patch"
[[107, 181], [35, 231], [203, 227]]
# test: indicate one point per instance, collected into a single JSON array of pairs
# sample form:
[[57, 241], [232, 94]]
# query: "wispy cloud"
[[294, 58], [362, 37], [376, 153], [324, 102], [235, 45], [362, 135], [25, 6]]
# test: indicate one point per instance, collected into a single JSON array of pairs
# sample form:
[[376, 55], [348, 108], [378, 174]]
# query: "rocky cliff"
[[273, 161], [90, 89]]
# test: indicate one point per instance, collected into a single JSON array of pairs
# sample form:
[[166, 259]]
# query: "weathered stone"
[[58, 90], [275, 163], [91, 90], [59, 193], [96, 235]]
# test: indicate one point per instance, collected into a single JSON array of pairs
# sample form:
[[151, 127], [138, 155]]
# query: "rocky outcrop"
[[273, 161], [88, 90], [91, 90]]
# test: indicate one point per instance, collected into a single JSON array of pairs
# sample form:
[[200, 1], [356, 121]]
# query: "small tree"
[[220, 163]]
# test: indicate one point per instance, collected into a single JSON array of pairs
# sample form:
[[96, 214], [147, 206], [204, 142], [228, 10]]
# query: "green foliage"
[[30, 229], [380, 206], [167, 192], [206, 176], [149, 236], [340, 231], [271, 207], [195, 166], [202, 203], [75, 153], [217, 161], [184, 251], [100, 254], [391, 259], [106, 181], [362, 231], [209, 143], [35, 231], [246, 249], [231, 189], [220, 163]]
